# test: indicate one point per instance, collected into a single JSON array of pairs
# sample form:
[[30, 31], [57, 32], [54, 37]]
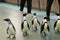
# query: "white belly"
[[58, 25], [25, 29], [11, 30], [35, 23], [45, 27]]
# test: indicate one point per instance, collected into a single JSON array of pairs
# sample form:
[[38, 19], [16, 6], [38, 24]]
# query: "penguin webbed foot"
[[44, 34], [25, 34], [36, 29], [57, 31], [14, 36], [8, 36]]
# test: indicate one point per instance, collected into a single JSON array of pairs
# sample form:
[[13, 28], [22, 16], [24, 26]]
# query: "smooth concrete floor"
[[12, 12]]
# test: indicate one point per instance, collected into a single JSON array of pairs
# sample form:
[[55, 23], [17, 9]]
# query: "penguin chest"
[[25, 27], [58, 24], [11, 30], [45, 27], [35, 23]]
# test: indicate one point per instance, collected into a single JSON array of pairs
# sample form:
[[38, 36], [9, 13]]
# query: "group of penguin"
[[35, 22]]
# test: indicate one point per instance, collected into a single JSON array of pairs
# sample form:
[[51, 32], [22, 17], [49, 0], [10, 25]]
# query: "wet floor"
[[12, 12]]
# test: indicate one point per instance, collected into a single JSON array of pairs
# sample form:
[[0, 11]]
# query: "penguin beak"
[[6, 19]]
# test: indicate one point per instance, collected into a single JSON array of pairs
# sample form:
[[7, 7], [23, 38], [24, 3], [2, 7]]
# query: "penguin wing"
[[55, 24], [7, 30], [48, 28], [22, 25], [13, 27], [42, 27], [28, 25], [38, 22], [32, 21]]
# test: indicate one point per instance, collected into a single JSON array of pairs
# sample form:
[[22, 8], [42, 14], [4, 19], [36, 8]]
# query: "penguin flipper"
[[32, 21], [28, 25], [13, 27], [7, 30], [38, 22], [48, 28], [22, 26], [42, 28], [55, 24]]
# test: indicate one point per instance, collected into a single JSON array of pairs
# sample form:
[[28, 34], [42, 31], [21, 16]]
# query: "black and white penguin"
[[57, 23], [35, 22], [24, 25], [11, 31], [44, 26]]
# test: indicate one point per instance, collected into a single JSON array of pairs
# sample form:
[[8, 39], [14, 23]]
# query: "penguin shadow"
[[9, 38], [57, 36], [12, 39], [57, 32], [27, 37], [25, 34]]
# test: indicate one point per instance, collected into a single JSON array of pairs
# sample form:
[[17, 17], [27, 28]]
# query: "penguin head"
[[24, 16], [45, 19], [58, 14], [34, 15], [7, 19]]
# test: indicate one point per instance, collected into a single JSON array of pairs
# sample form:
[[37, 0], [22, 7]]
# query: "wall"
[[36, 5]]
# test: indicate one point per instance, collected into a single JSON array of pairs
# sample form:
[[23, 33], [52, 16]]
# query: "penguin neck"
[[58, 17], [45, 20], [24, 18], [9, 22], [35, 16]]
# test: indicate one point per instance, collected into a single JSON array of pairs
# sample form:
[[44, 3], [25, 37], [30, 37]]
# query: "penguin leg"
[[56, 29], [41, 30], [33, 28], [13, 35], [36, 29], [44, 33], [8, 36], [26, 33], [59, 29]]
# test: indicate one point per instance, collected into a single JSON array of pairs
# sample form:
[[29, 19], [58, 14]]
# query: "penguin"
[[35, 22], [24, 25], [44, 26], [57, 24], [11, 31]]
